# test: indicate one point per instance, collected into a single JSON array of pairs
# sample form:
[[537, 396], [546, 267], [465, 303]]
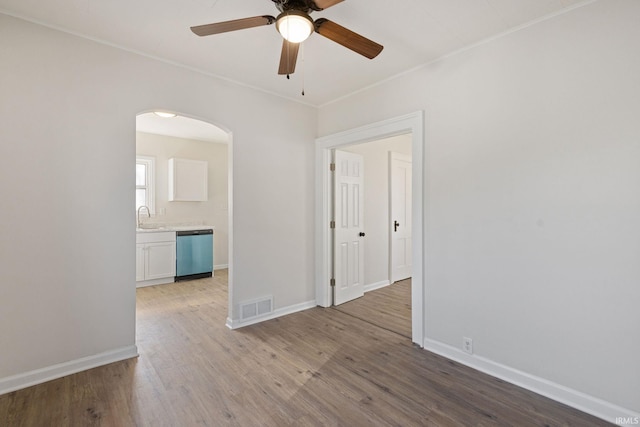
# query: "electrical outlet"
[[467, 345]]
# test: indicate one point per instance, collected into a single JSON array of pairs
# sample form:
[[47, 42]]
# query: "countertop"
[[163, 228]]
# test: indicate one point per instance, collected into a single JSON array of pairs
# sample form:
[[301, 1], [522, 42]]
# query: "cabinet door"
[[160, 260], [140, 262], [188, 180]]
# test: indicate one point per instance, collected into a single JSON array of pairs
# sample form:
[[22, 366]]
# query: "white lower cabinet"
[[155, 258], [140, 261]]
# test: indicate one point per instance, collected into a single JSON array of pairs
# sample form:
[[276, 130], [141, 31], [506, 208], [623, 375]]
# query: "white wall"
[[215, 211], [532, 197], [376, 203], [67, 144]]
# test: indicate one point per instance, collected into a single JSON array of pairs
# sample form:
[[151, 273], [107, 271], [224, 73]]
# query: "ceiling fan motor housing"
[[306, 6]]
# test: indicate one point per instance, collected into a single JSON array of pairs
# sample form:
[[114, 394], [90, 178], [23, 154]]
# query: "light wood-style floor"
[[320, 367]]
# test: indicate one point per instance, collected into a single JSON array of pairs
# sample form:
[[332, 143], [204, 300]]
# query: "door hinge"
[[332, 224], [332, 167], [332, 282]]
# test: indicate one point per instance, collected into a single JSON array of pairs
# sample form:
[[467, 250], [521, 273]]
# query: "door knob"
[[361, 234], [396, 224]]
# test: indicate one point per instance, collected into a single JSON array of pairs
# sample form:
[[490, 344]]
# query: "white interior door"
[[348, 248], [400, 206]]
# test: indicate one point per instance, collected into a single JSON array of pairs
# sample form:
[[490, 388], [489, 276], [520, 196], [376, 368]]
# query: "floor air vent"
[[255, 308]]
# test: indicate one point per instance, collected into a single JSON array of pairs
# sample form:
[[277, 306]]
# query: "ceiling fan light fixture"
[[294, 25]]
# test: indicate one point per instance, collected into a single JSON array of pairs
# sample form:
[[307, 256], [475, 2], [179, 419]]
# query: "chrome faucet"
[[148, 214]]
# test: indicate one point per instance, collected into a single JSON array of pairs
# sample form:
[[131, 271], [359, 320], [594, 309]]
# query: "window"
[[145, 182]]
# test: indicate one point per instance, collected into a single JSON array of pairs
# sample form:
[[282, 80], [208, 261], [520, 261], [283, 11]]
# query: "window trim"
[[150, 163]]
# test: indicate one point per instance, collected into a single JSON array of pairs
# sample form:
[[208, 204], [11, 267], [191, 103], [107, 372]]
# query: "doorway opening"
[[174, 149], [371, 193], [412, 125]]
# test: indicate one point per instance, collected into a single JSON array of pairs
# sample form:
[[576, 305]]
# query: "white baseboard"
[[39, 376], [576, 399], [220, 267], [378, 285], [154, 282], [236, 324]]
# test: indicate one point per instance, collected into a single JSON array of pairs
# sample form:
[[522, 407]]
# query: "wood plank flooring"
[[388, 307], [320, 367]]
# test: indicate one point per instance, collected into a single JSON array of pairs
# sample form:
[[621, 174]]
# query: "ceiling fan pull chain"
[[303, 67], [288, 58]]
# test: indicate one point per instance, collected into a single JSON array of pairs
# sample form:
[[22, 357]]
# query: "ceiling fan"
[[295, 25]]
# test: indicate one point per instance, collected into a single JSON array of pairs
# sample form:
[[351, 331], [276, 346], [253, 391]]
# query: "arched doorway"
[[164, 136]]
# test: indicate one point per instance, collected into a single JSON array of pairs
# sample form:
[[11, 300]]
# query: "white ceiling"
[[414, 32]]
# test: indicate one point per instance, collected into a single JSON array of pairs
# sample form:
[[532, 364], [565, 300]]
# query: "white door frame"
[[411, 123]]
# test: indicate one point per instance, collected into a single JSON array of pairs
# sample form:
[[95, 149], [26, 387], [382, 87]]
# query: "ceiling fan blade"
[[325, 4], [288, 57], [348, 38], [236, 24]]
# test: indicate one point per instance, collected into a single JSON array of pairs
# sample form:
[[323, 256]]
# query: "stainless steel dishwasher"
[[194, 254]]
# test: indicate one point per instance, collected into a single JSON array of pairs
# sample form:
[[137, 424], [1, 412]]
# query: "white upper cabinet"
[[187, 180]]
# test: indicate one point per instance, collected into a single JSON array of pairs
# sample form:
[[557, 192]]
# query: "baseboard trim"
[[573, 398], [236, 323], [154, 282], [377, 285], [220, 267], [42, 375]]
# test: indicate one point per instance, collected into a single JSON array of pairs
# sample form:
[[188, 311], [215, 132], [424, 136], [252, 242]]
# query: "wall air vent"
[[256, 308]]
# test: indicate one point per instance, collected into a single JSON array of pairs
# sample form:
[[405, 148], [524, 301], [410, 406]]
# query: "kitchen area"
[[173, 253], [181, 199]]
